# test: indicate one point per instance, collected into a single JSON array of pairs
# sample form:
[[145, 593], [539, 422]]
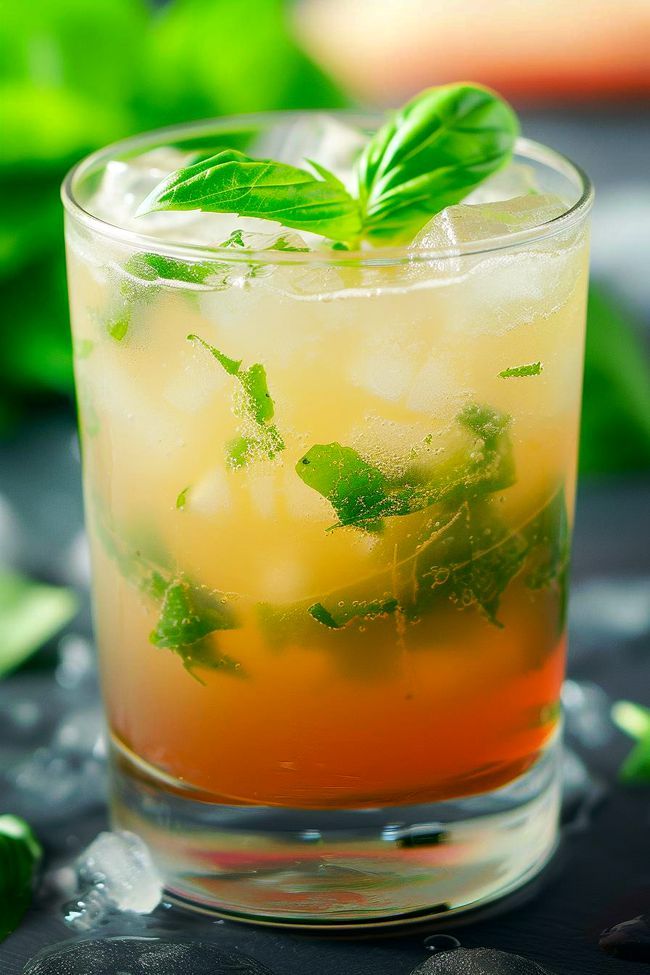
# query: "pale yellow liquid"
[[382, 711]]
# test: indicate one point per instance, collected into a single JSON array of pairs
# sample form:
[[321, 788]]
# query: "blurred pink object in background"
[[539, 49]]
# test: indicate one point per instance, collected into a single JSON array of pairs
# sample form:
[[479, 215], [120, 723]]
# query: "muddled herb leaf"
[[118, 327], [466, 558], [362, 495], [231, 182], [20, 855], [189, 616], [181, 500], [157, 267], [516, 372], [257, 407]]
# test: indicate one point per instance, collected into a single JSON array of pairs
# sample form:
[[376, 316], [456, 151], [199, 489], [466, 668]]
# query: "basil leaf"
[[188, 615], [430, 155], [532, 369], [20, 855], [362, 495], [353, 487], [467, 559], [30, 614], [257, 407], [154, 267], [231, 182]]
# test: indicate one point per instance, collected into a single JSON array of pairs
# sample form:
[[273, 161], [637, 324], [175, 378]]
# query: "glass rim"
[[379, 256]]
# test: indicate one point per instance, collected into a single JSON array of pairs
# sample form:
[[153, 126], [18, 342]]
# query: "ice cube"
[[332, 143], [479, 961], [142, 956], [125, 184], [54, 784], [458, 225], [517, 179], [115, 872], [385, 367], [435, 388], [211, 494]]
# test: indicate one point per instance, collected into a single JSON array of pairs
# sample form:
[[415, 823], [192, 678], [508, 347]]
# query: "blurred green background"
[[76, 74]]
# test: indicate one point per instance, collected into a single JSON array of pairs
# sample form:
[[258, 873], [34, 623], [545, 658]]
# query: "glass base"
[[341, 868]]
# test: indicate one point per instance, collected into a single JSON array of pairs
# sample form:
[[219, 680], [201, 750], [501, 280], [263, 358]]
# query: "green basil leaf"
[[516, 372], [20, 855], [257, 407], [231, 182], [362, 495], [354, 488], [154, 267], [30, 614], [430, 155]]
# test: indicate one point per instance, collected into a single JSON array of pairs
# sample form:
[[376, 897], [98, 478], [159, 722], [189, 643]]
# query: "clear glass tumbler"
[[329, 498]]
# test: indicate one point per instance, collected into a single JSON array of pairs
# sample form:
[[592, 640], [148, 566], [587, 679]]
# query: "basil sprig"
[[428, 156]]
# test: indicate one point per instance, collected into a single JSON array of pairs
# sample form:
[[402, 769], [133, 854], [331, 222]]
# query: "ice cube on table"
[[450, 229], [115, 872], [142, 956], [479, 961]]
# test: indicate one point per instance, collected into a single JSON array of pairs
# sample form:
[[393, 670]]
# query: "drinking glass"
[[329, 499]]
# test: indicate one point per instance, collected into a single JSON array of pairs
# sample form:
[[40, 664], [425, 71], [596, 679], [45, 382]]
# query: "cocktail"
[[329, 417]]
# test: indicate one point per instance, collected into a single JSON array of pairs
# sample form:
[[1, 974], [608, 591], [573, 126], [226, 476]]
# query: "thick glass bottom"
[[341, 868]]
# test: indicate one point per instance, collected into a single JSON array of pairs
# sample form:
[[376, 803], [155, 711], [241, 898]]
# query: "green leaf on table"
[[516, 372], [231, 182], [257, 407], [30, 614], [20, 856], [634, 720]]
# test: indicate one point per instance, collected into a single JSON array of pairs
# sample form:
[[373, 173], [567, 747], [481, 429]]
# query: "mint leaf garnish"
[[432, 152], [30, 614], [363, 496], [257, 407], [20, 855], [428, 156], [339, 615], [231, 182], [532, 369], [634, 720]]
